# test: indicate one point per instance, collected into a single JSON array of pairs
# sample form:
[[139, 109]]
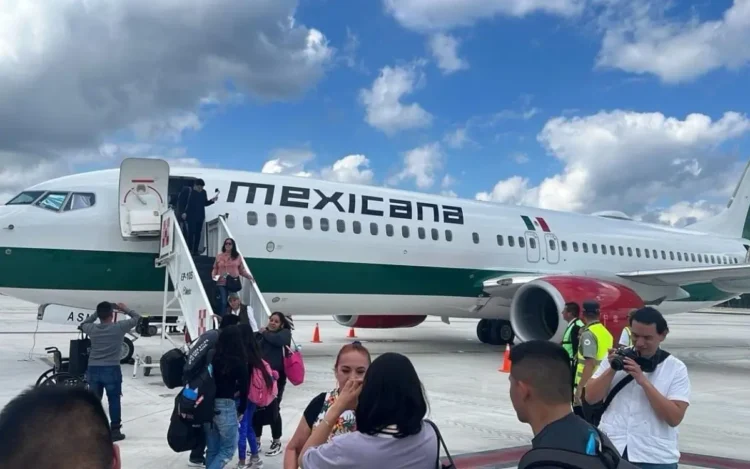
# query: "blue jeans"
[[221, 434], [247, 434], [109, 379], [223, 301]]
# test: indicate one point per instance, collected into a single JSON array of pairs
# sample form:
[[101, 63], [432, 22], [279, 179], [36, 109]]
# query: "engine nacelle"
[[379, 322], [536, 309]]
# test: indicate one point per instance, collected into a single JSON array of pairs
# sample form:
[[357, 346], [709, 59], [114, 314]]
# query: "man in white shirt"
[[641, 421], [245, 313]]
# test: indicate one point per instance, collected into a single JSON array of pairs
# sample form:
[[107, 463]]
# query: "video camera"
[[648, 365]]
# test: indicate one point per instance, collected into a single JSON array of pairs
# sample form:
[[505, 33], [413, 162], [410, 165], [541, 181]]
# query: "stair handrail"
[[254, 285]]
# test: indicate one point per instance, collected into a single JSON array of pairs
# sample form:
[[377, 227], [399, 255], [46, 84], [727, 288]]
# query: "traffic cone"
[[351, 334], [505, 367], [316, 335]]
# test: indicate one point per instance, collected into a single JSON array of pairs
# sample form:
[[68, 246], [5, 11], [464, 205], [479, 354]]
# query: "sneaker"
[[275, 449], [117, 435], [255, 463], [197, 462]]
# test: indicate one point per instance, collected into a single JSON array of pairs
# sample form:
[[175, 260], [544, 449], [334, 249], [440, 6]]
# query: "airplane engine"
[[379, 322], [536, 309]]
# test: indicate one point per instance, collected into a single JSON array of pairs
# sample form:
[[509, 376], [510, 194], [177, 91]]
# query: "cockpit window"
[[80, 200], [53, 200], [25, 198]]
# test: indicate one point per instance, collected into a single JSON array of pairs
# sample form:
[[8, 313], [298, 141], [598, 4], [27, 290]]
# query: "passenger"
[[352, 362], [231, 377], [274, 339], [245, 313], [104, 372], [625, 337], [64, 427], [642, 420], [389, 408], [247, 434], [191, 208], [540, 390], [228, 264]]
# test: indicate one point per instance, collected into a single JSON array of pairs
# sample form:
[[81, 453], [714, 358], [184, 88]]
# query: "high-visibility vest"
[[567, 341], [604, 342]]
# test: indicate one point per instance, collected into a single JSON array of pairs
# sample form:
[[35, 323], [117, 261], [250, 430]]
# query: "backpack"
[[261, 394], [607, 457], [172, 365], [181, 436], [196, 400]]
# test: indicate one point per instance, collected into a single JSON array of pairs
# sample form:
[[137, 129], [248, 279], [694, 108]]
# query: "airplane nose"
[[9, 216]]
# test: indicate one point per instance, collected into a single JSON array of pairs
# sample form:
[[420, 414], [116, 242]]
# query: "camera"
[[618, 361]]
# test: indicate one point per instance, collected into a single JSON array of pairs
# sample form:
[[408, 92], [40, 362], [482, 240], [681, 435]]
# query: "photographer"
[[642, 420]]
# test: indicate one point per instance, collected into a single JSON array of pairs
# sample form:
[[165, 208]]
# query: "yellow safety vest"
[[567, 341], [604, 342]]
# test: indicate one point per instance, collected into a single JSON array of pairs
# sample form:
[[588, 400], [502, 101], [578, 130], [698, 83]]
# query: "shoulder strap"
[[606, 456], [441, 442], [662, 355]]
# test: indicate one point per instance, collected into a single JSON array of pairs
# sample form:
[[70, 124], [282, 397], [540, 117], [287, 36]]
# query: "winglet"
[[734, 220]]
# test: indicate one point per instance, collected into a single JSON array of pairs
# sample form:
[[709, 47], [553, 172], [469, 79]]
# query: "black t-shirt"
[[313, 409], [570, 433]]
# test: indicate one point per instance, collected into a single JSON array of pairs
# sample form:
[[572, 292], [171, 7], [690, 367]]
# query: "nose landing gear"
[[495, 332]]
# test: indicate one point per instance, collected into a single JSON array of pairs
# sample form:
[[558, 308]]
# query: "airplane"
[[372, 257]]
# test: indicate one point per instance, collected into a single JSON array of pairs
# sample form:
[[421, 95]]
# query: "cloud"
[[74, 73], [520, 157], [433, 15], [633, 162], [421, 164], [352, 169], [383, 107], [457, 138], [445, 50], [639, 40]]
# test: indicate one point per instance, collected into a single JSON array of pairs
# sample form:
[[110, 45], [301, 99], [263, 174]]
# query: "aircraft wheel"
[[152, 331], [484, 331], [146, 370], [126, 350], [502, 332]]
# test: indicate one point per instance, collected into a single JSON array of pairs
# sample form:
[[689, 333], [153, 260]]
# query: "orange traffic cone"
[[505, 367], [351, 334], [316, 335]]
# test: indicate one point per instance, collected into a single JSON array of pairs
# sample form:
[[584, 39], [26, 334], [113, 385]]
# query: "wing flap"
[[689, 275]]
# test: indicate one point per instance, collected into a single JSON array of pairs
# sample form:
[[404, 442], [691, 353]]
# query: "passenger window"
[[532, 243], [604, 249], [499, 240], [448, 235], [630, 251], [521, 242], [271, 219], [78, 201], [435, 234], [475, 237], [511, 241], [421, 233], [671, 255], [612, 250], [374, 229], [357, 227], [585, 247], [713, 260], [638, 252], [289, 221], [621, 250], [595, 249], [552, 244], [700, 258], [252, 218], [564, 245], [685, 257], [324, 225], [692, 257], [656, 255], [52, 201], [25, 198], [679, 256], [307, 223], [575, 246], [648, 254], [389, 230], [340, 226], [664, 255], [405, 231]]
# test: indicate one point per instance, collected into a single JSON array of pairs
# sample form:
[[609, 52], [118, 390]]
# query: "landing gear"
[[126, 351], [495, 332]]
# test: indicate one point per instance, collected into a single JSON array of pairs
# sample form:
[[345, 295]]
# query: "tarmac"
[[468, 396]]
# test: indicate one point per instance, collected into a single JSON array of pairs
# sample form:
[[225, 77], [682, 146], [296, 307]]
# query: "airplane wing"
[[689, 275]]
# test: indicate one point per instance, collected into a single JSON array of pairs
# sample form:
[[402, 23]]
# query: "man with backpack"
[[541, 393]]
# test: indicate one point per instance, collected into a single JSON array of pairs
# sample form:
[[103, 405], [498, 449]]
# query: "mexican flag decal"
[[538, 222]]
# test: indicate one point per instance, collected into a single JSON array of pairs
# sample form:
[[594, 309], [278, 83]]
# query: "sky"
[[638, 106]]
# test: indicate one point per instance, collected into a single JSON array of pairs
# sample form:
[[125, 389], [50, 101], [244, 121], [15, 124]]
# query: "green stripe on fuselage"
[[61, 269]]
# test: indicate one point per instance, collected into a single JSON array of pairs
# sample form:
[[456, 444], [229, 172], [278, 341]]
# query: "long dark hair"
[[252, 351], [285, 324], [230, 352], [235, 254], [392, 394]]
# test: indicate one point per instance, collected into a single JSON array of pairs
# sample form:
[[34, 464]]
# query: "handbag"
[[233, 284], [441, 442], [294, 366]]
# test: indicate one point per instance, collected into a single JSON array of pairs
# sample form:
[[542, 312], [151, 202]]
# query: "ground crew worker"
[[571, 339], [626, 338], [594, 346]]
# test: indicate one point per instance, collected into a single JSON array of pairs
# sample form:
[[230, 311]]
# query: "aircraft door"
[[533, 250], [144, 186], [552, 248]]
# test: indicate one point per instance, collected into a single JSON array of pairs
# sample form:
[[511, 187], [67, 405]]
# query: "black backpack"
[[172, 365], [195, 403], [607, 457], [181, 436]]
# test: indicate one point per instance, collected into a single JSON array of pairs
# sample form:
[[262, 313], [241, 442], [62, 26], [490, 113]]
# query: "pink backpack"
[[260, 394]]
